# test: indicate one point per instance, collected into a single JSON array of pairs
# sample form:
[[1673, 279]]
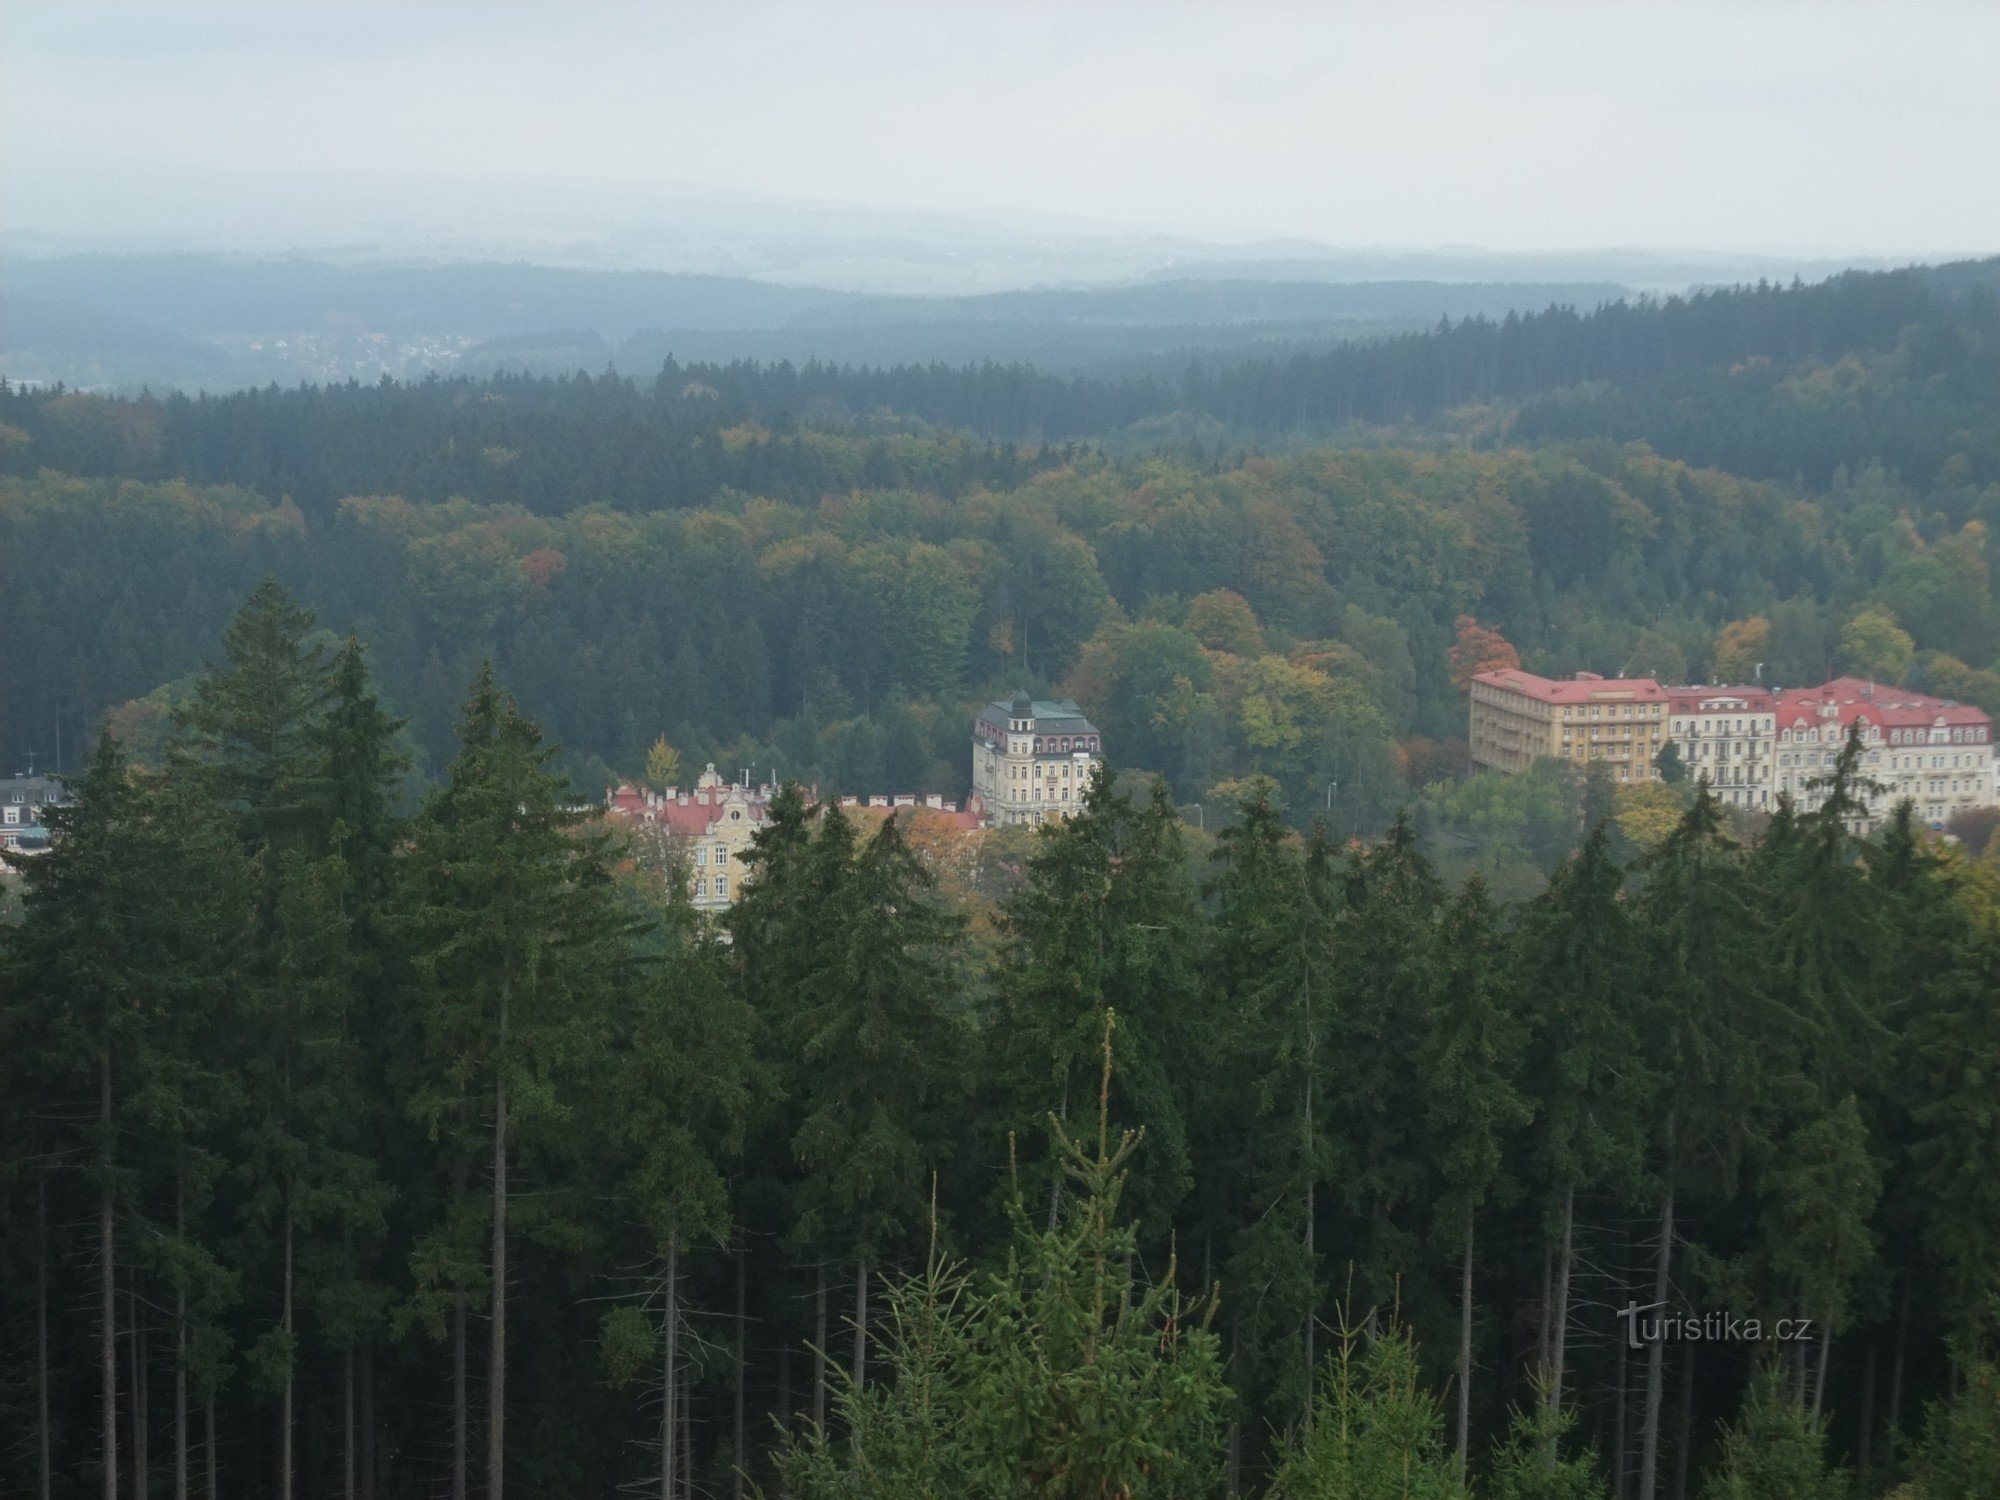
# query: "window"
[[722, 886], [700, 888], [13, 816], [700, 856]]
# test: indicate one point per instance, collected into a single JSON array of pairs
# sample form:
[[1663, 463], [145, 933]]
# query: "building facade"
[[1935, 753], [1727, 734], [23, 830], [706, 829], [1032, 759], [1518, 718], [1753, 745]]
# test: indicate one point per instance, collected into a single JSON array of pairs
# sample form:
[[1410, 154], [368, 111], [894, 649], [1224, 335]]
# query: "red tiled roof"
[[1688, 700], [1583, 688], [1852, 699]]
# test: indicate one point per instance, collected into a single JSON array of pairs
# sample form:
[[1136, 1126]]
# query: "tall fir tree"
[[516, 949]]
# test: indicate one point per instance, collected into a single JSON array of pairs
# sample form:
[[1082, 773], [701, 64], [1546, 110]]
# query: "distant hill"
[[231, 321]]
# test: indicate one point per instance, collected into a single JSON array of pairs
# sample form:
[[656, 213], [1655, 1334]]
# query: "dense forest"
[[1295, 1121], [349, 1151]]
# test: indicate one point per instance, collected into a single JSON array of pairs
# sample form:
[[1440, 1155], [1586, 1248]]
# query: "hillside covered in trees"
[[373, 1120], [819, 572], [392, 1154]]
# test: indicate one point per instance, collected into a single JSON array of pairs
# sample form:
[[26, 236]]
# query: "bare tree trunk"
[[1865, 1446], [180, 1352], [135, 1378], [107, 1286], [1233, 1470], [1649, 1433], [670, 1374], [1546, 1314], [687, 1434], [347, 1457], [42, 1435], [860, 1322], [1559, 1319], [1889, 1437], [1465, 1350], [285, 1435], [819, 1353], [208, 1443], [460, 1413], [1819, 1377], [1621, 1428], [496, 1333], [368, 1419], [785, 1386], [1686, 1444], [742, 1365]]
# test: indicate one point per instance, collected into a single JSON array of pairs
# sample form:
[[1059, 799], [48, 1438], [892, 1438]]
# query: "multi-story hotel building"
[[1032, 759], [1727, 735], [1753, 745], [1935, 753], [1517, 718]]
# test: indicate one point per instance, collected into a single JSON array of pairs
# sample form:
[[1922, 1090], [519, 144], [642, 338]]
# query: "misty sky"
[[1853, 128]]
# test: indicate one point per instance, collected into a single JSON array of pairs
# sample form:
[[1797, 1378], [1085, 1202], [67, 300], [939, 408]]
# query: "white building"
[[1032, 759], [1935, 753], [1727, 734]]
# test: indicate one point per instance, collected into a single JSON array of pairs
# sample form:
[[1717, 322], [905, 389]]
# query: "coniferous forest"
[[1300, 1119]]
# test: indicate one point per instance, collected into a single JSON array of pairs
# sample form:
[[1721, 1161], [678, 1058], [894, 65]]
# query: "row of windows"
[[721, 887], [1722, 726], [701, 854], [1632, 710]]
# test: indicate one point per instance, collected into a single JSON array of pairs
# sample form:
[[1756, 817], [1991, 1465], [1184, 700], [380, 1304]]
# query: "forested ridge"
[[361, 1152], [332, 1010]]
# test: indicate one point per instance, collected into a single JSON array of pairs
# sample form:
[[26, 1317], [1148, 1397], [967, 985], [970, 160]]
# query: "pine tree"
[[1258, 1181], [1959, 1457], [878, 1038], [515, 944], [1057, 1376], [1775, 1450], [1471, 1059], [1714, 1028], [128, 925], [1390, 966], [253, 717], [1531, 1465], [1586, 1068], [1376, 1433], [1107, 919], [680, 1071]]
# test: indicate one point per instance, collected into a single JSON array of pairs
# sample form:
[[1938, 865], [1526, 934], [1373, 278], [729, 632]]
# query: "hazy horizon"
[[1092, 143]]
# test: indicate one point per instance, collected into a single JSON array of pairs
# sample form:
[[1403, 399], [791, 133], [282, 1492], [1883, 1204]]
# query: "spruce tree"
[[1376, 1433], [1713, 1026], [1775, 1450], [516, 946], [1471, 1060], [1586, 1069], [1257, 1176], [1059, 1375], [674, 1098]]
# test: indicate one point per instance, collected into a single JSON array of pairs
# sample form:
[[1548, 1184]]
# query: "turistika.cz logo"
[[1707, 1328]]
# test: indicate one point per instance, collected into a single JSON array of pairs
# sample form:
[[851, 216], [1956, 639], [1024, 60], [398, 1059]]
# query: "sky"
[[1865, 129]]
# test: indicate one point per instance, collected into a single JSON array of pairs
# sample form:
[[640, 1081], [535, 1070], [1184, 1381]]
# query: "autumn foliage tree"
[[1478, 648]]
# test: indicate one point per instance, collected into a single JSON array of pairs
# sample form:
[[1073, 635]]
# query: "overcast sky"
[[1849, 128]]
